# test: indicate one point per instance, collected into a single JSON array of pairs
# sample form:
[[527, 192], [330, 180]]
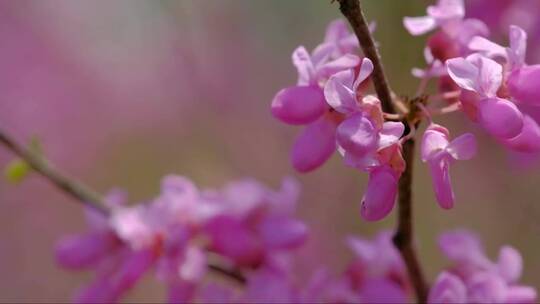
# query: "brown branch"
[[234, 274], [81, 192], [404, 237], [352, 10]]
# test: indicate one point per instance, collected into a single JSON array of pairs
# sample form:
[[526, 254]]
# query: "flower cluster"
[[245, 223], [342, 115], [178, 234], [494, 81], [473, 278], [252, 228]]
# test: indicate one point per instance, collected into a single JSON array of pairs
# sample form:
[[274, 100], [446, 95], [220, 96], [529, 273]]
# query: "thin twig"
[[234, 274], [404, 236], [352, 10], [67, 184], [83, 193]]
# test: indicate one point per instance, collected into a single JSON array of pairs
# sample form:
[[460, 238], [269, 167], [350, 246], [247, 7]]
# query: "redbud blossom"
[[439, 152]]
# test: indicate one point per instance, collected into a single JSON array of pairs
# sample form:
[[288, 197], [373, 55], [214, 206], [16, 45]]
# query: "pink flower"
[[88, 249], [365, 140], [341, 90], [446, 11], [499, 117], [439, 152], [118, 267], [484, 281], [255, 222], [448, 288], [305, 104], [377, 271], [522, 80], [380, 196], [339, 39], [455, 31]]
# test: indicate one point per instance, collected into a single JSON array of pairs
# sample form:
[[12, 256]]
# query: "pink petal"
[[366, 68], [469, 28], [521, 294], [131, 271], [339, 92], [523, 84], [419, 25], [447, 10], [463, 147], [231, 238], [500, 117], [448, 288], [131, 225], [382, 290], [363, 249], [469, 103], [486, 287], [336, 30], [267, 286], [345, 62], [380, 195], [214, 293], [434, 140], [489, 77], [390, 134], [518, 46], [299, 105], [357, 134], [179, 185], [322, 53], [463, 72], [315, 145], [194, 266], [462, 246], [282, 232], [442, 185], [443, 46], [510, 264], [85, 250], [179, 291], [528, 141], [306, 71], [487, 47]]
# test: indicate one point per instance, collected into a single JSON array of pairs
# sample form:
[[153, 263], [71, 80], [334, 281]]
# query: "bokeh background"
[[122, 93]]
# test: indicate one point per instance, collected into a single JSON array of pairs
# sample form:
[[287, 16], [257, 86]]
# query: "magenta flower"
[[448, 288], [339, 38], [378, 272], [255, 222], [365, 140], [522, 80], [117, 266], [445, 12], [304, 104], [439, 152], [520, 83], [499, 117], [473, 278], [455, 31]]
